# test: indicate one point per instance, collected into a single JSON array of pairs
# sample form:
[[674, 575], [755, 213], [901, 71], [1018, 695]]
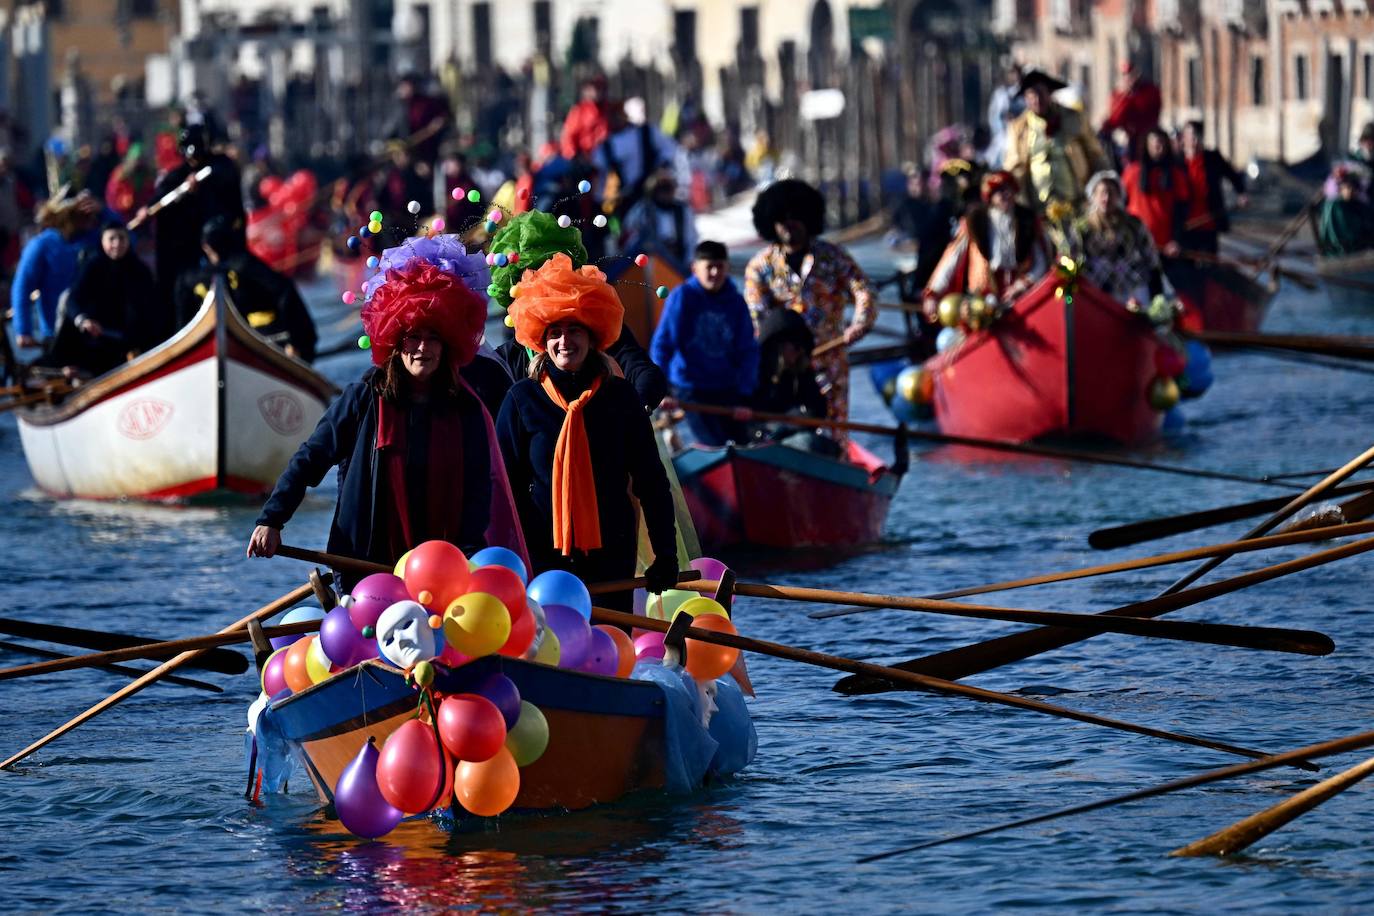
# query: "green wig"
[[535, 236]]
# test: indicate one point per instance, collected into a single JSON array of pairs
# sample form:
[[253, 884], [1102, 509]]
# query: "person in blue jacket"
[[705, 342], [49, 265]]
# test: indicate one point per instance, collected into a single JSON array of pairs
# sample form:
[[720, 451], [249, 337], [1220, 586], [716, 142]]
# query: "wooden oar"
[[911, 681], [224, 662], [1311, 752], [47, 395], [1325, 533], [994, 653], [1289, 231], [1361, 348], [154, 650], [1169, 525], [112, 669], [162, 670], [171, 197], [1302, 642], [1020, 448]]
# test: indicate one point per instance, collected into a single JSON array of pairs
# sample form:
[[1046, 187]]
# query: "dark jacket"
[[781, 389], [1218, 169], [177, 228], [119, 295], [624, 457], [648, 380], [346, 436], [267, 300]]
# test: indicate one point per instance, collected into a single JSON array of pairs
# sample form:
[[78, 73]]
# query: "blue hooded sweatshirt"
[[705, 341]]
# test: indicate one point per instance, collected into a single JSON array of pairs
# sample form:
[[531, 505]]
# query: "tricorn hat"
[[1039, 78]]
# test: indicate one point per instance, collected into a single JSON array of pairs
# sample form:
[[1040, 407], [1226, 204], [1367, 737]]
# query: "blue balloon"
[[557, 586], [365, 232], [1174, 420], [946, 339], [354, 243], [503, 556], [1197, 374], [884, 377], [297, 615]]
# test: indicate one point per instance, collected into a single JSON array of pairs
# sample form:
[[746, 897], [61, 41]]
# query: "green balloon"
[[474, 195], [529, 738], [376, 216]]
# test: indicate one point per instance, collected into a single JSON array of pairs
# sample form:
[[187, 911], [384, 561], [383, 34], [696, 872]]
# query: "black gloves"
[[661, 574]]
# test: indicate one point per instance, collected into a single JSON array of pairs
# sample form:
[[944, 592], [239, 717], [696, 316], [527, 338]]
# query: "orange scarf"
[[576, 519]]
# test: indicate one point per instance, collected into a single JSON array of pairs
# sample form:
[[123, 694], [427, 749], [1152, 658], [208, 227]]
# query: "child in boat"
[[414, 446], [1345, 223], [705, 342], [105, 319], [576, 439]]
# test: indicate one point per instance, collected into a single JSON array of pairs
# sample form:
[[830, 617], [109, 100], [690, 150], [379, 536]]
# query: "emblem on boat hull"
[[144, 418], [283, 412]]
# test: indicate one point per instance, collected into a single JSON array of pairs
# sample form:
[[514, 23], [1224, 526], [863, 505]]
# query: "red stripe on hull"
[[236, 486]]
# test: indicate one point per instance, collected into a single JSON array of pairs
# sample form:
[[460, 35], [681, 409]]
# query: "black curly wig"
[[787, 200]]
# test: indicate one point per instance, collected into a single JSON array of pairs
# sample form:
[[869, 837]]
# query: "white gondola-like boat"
[[214, 410]]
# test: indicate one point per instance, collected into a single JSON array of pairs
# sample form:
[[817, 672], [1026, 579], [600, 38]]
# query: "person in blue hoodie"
[[50, 264], [705, 343]]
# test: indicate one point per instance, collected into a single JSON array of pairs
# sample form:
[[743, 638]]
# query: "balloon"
[[624, 646], [297, 615], [1163, 393], [273, 673], [502, 691], [702, 606], [557, 586], [410, 770], [574, 635], [506, 585], [1197, 375], [603, 656], [489, 787], [471, 727], [529, 738], [948, 310], [437, 571], [664, 606], [341, 641], [452, 657], [707, 661], [1169, 361], [477, 624], [709, 568], [316, 662], [916, 385], [649, 646], [539, 625], [294, 671], [522, 631], [1174, 421], [947, 338], [502, 556], [358, 800], [373, 595], [400, 569], [550, 652]]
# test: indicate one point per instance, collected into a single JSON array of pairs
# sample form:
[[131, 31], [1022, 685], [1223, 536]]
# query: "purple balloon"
[[274, 674], [502, 691], [342, 643], [373, 595], [558, 586], [358, 800], [709, 568], [603, 657], [573, 632], [649, 646]]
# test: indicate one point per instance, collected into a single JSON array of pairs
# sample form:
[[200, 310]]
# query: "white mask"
[[404, 636]]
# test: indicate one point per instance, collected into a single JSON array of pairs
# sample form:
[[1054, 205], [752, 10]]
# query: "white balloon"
[[404, 635]]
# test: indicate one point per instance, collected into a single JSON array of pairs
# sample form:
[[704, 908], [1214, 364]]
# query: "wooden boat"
[[1075, 366], [215, 409], [637, 287], [782, 497], [607, 736], [1349, 280], [1223, 297]]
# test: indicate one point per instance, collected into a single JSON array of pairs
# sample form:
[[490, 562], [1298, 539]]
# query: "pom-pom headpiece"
[[535, 237], [431, 285], [559, 292]]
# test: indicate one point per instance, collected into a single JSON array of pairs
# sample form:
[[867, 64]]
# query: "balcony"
[[1178, 17]]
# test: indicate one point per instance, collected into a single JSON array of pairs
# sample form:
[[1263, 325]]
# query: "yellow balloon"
[[316, 662], [477, 624], [400, 569], [702, 606], [664, 606], [549, 652], [529, 738], [374, 227]]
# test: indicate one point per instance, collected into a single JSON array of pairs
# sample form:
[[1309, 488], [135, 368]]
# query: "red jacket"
[[1161, 209], [1136, 112], [584, 129]]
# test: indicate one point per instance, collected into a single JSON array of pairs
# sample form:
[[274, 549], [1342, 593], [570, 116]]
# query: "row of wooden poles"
[[935, 674]]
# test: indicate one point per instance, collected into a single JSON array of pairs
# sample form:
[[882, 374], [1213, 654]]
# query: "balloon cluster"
[[1183, 370], [274, 229], [970, 313]]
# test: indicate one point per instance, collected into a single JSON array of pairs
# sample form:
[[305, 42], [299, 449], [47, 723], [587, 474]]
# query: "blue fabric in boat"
[[733, 729], [276, 761], [691, 752]]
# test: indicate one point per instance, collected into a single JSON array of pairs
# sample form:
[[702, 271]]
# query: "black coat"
[[177, 228], [640, 371], [346, 436], [266, 299], [624, 457], [120, 296]]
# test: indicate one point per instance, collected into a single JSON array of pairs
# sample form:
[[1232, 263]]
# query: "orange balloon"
[[708, 661], [489, 787], [624, 647], [294, 668]]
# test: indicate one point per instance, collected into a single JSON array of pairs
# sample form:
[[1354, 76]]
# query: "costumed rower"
[[1344, 224], [1206, 170], [1117, 254], [811, 276], [1157, 192], [415, 448], [1050, 148], [787, 382], [998, 249], [576, 440], [705, 342]]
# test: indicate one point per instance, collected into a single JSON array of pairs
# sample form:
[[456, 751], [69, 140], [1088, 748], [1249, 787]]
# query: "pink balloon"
[[649, 646], [274, 674], [709, 568], [373, 595]]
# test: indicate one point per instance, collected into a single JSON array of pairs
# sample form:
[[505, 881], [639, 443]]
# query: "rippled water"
[[142, 808]]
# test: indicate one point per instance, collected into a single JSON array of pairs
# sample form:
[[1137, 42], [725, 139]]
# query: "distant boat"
[[214, 410], [1349, 280], [1224, 297]]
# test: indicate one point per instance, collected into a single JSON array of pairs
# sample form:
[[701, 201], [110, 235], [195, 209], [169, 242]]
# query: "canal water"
[[142, 809]]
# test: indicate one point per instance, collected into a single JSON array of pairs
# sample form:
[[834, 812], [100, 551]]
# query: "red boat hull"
[[780, 497], [1221, 297], [1077, 366]]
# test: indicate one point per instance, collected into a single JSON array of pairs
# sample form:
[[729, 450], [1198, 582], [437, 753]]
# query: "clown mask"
[[404, 635]]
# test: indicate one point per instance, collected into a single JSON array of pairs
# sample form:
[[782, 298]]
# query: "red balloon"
[[293, 668], [506, 586], [1169, 361], [471, 727], [437, 571], [411, 771], [521, 635]]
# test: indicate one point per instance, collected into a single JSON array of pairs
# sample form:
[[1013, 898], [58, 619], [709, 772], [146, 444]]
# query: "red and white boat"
[[1075, 365], [216, 409]]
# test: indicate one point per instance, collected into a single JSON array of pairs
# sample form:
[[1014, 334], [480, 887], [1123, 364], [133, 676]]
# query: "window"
[[1367, 73], [1194, 82], [481, 34], [1257, 80], [749, 30], [143, 9], [1300, 77], [543, 27], [53, 9], [685, 35]]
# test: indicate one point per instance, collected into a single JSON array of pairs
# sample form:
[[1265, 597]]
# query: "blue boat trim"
[[695, 461]]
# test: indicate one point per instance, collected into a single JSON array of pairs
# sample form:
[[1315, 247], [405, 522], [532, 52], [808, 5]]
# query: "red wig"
[[419, 296]]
